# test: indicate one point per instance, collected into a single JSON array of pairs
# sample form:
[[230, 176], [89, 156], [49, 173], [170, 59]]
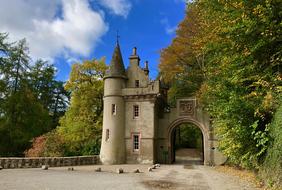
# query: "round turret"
[[113, 143]]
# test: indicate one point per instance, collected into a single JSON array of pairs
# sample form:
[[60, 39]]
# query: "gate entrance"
[[194, 148], [185, 135], [187, 144]]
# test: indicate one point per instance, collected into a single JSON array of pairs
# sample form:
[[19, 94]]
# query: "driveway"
[[179, 177]]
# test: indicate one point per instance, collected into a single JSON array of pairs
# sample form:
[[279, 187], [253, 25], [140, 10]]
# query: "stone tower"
[[113, 144]]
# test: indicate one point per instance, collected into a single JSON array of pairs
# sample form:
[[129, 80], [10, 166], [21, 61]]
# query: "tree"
[[242, 76], [23, 119], [180, 65], [26, 97], [49, 92], [81, 126], [59, 102], [41, 79], [235, 45]]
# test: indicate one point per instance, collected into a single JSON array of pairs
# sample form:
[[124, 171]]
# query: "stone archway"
[[202, 127], [187, 111]]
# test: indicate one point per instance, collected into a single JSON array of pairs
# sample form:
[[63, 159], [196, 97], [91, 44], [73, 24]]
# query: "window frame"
[[107, 134], [138, 142], [136, 112], [114, 109]]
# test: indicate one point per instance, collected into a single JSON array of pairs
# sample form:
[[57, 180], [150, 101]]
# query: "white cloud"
[[168, 28], [53, 27], [118, 7]]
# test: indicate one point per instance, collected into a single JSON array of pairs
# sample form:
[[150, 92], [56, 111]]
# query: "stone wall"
[[37, 162]]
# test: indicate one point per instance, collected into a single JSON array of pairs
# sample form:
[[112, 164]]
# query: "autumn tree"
[[180, 66], [81, 126], [238, 46]]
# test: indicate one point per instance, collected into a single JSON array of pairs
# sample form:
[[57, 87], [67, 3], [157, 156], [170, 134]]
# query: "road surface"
[[176, 177]]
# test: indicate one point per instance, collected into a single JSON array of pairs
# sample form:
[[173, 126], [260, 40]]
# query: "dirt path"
[[176, 177]]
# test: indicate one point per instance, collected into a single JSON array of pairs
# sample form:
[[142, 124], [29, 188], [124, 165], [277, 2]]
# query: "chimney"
[[134, 58], [134, 51], [146, 69]]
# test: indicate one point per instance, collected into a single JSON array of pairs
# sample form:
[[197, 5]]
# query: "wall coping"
[[37, 162]]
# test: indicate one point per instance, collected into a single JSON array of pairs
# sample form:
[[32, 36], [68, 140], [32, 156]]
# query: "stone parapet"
[[37, 162], [152, 88]]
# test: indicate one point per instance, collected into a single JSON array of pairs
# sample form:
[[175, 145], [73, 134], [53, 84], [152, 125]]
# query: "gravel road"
[[176, 177]]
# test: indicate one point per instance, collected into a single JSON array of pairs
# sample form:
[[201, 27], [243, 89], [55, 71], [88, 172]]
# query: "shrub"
[[271, 170]]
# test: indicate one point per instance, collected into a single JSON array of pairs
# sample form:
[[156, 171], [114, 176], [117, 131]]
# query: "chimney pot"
[[146, 65], [134, 52]]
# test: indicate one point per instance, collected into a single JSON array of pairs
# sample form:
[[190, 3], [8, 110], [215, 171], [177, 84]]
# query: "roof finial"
[[118, 36]]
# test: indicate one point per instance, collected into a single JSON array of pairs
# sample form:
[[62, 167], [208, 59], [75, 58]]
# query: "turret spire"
[[116, 68], [118, 36]]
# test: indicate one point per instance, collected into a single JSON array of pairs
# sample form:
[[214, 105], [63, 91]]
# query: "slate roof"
[[116, 68]]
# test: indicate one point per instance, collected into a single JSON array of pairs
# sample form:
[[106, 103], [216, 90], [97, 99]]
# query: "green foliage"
[[271, 170], [180, 66], [235, 47], [241, 87], [26, 97], [188, 136], [81, 127], [54, 145]]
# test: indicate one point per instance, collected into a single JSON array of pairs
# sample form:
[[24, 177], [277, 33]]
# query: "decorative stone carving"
[[186, 108]]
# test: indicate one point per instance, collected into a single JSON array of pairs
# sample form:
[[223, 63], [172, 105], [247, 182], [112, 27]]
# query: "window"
[[135, 111], [114, 109], [137, 83], [136, 142], [107, 134]]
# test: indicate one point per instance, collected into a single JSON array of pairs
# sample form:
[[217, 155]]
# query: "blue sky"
[[66, 31]]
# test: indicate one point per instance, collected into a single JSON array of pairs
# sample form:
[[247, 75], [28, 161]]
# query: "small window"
[[114, 109], [107, 134], [136, 142], [135, 111], [137, 83]]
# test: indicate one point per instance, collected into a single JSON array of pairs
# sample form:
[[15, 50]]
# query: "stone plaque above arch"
[[186, 107]]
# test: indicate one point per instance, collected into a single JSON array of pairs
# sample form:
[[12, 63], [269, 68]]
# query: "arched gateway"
[[177, 123], [138, 125], [187, 111]]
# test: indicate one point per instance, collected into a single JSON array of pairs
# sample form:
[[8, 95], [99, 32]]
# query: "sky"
[[68, 31]]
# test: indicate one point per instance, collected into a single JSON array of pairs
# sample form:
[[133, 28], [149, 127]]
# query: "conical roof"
[[116, 68]]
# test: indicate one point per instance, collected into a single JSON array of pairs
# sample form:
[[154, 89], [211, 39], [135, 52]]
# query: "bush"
[[271, 170], [47, 145], [37, 148]]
